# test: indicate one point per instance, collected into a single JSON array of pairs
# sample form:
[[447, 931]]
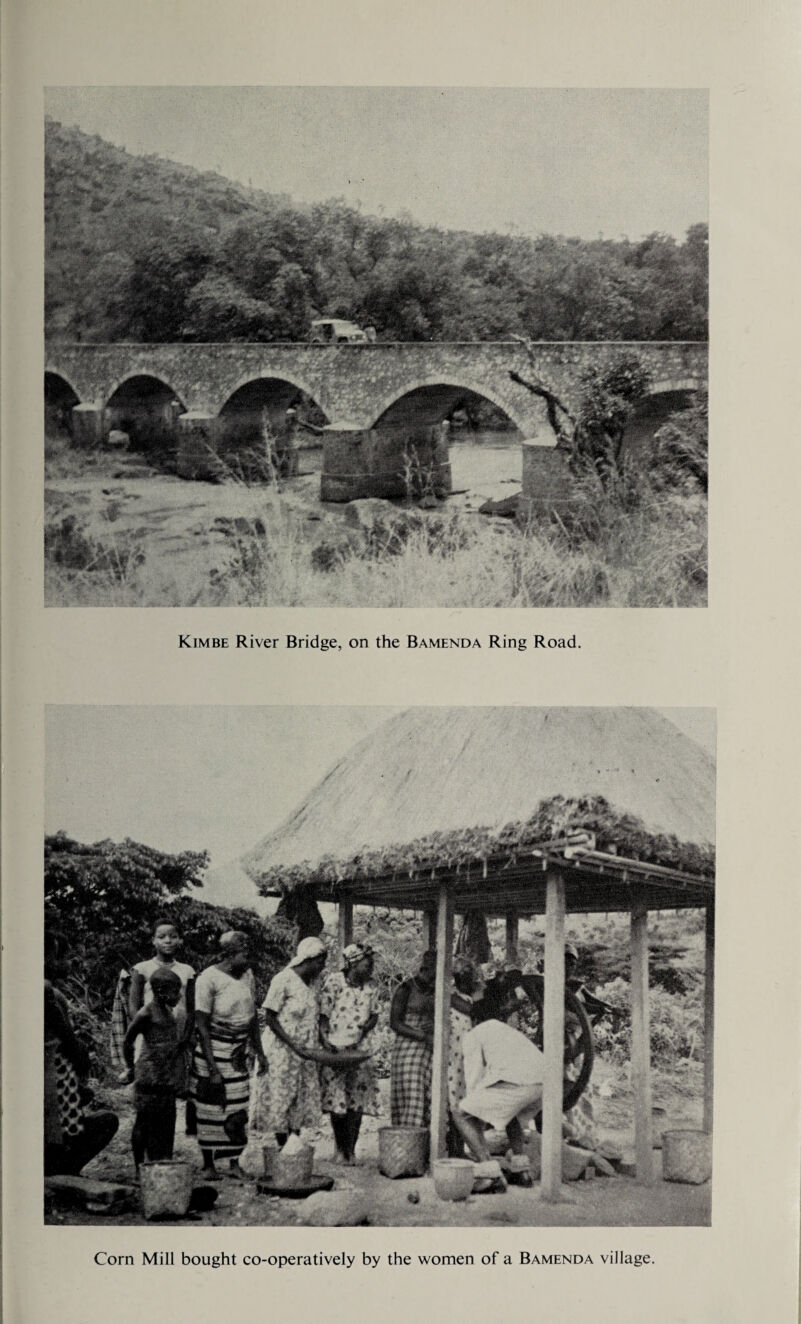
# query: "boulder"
[[334, 1209], [367, 512], [506, 508], [95, 1197], [574, 1160], [602, 1166], [239, 526]]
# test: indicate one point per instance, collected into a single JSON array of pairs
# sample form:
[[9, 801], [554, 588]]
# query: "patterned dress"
[[410, 1070], [62, 1083], [461, 1022], [348, 1009], [230, 1004], [290, 1089]]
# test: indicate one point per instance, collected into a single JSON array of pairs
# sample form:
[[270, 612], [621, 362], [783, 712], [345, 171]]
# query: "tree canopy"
[[143, 249]]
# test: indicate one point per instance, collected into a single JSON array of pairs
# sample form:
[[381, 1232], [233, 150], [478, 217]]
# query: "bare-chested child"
[[157, 1069]]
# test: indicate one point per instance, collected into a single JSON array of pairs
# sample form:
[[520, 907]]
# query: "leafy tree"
[[104, 900], [219, 310], [163, 274]]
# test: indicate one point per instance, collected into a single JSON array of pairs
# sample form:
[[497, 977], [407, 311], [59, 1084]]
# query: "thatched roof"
[[436, 787]]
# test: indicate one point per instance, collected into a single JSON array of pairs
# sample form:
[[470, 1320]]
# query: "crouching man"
[[503, 1079]]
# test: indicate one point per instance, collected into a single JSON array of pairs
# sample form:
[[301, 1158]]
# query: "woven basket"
[[453, 1178], [293, 1170], [402, 1151], [687, 1156], [165, 1188]]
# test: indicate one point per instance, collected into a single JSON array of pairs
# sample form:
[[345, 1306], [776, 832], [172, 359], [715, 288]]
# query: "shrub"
[[676, 1025], [681, 450]]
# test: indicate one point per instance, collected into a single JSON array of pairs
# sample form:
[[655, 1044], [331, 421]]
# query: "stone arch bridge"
[[368, 393], [361, 384]]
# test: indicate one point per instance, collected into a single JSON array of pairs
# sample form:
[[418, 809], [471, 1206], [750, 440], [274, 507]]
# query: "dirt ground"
[[412, 1202]]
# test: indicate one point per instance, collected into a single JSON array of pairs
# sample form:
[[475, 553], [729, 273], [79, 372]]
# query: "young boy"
[[157, 1070], [166, 943]]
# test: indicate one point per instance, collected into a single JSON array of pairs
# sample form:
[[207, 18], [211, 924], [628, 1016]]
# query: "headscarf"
[[354, 953], [230, 941], [308, 948]]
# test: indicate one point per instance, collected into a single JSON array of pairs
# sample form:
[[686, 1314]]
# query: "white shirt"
[[494, 1051]]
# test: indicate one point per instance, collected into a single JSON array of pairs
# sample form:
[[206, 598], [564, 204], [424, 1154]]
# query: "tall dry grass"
[[640, 548]]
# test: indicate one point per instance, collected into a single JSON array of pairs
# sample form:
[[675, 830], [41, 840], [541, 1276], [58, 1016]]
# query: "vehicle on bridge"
[[336, 331]]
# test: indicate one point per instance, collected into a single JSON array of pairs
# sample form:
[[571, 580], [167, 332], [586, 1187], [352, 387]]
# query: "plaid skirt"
[[223, 1128], [410, 1083]]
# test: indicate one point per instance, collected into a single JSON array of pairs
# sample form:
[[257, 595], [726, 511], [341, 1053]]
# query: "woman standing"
[[412, 1019], [291, 1042], [225, 1015], [73, 1134], [348, 1016]]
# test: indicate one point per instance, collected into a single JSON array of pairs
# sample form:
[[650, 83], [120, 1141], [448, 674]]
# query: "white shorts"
[[499, 1103]]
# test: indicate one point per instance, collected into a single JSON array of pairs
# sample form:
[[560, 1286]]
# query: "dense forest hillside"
[[138, 248]]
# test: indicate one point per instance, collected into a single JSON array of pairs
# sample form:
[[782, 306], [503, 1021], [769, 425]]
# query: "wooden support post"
[[429, 929], [345, 924], [512, 937], [709, 1016], [641, 1046], [553, 1037], [442, 1024]]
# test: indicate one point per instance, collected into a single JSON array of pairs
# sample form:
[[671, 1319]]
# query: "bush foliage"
[[104, 900]]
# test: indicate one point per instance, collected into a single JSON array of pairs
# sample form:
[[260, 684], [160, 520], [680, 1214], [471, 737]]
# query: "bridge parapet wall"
[[357, 384]]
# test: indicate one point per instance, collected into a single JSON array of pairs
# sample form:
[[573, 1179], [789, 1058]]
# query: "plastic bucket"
[[166, 1188]]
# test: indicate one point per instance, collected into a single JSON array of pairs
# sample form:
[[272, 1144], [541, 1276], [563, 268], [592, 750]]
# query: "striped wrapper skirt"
[[223, 1128], [410, 1083]]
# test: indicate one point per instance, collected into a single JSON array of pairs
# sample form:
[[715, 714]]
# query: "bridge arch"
[[60, 398], [147, 408], [664, 397], [287, 384], [152, 384], [435, 396], [55, 380], [258, 398]]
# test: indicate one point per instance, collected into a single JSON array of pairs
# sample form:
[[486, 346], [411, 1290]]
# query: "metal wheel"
[[579, 1047]]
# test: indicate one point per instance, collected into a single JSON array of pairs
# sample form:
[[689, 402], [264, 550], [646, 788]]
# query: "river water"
[[486, 463]]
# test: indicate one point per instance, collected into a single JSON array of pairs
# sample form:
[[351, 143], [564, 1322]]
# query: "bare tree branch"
[[552, 404]]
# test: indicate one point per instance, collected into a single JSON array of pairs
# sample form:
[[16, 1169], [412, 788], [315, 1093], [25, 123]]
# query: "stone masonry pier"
[[371, 390]]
